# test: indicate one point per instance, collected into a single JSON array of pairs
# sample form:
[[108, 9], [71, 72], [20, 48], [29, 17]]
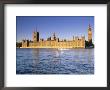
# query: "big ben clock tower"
[[89, 34]]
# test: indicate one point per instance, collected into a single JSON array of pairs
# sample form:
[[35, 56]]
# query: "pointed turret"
[[54, 36]]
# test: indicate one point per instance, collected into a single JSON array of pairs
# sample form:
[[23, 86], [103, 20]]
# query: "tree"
[[89, 44], [18, 44]]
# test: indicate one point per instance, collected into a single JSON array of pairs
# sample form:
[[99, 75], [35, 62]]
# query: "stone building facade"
[[54, 42]]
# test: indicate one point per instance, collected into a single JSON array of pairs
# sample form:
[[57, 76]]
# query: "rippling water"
[[54, 61]]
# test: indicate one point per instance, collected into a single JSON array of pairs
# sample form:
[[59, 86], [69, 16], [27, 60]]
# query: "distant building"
[[55, 42], [25, 43]]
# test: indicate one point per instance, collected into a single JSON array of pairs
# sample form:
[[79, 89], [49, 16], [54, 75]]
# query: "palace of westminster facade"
[[54, 42]]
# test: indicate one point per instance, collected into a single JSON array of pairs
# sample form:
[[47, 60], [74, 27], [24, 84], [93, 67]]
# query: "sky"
[[65, 27]]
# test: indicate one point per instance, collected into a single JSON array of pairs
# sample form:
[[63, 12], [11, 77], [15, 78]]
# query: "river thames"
[[54, 61]]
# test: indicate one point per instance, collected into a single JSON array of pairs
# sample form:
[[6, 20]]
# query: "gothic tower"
[[35, 36], [89, 34], [54, 36]]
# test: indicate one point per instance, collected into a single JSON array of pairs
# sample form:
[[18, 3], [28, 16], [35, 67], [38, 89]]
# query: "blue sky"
[[65, 27]]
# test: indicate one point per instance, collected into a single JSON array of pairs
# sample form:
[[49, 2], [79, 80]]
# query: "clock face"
[[89, 32]]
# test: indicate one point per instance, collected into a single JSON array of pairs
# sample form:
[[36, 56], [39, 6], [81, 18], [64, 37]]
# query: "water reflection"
[[54, 61], [89, 56], [36, 60]]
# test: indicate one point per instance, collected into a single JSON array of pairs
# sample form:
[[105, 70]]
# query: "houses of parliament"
[[55, 42]]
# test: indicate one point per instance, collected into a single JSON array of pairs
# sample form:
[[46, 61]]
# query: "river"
[[54, 61]]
